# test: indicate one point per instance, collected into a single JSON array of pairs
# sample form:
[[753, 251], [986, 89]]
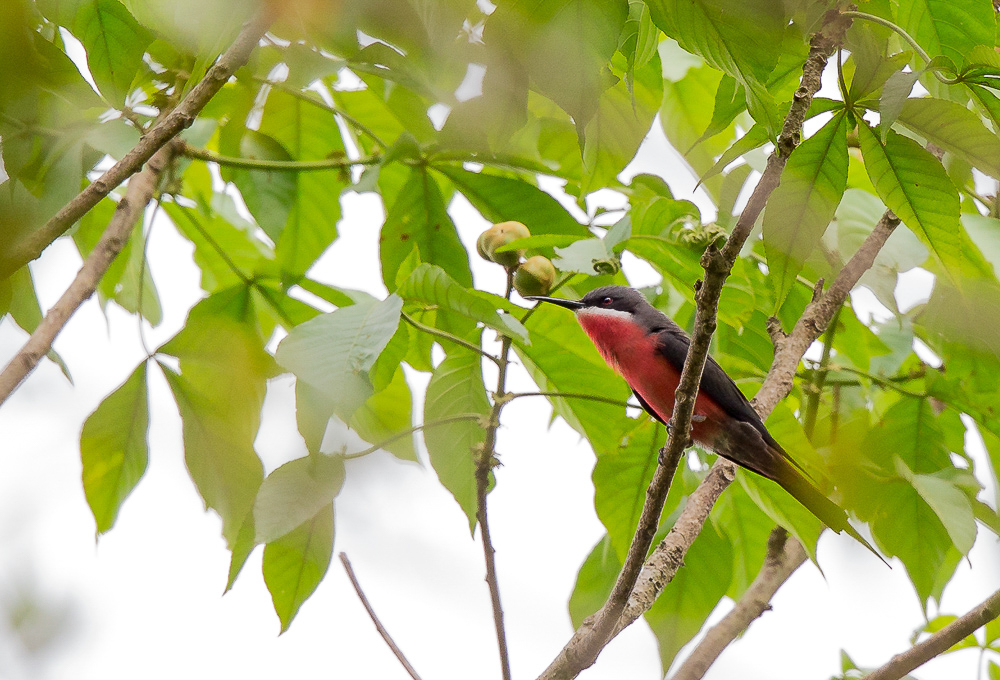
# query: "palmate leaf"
[[952, 29], [620, 123], [418, 217], [333, 353], [803, 205], [594, 581], [499, 198], [737, 38], [456, 389], [220, 391], [914, 185], [306, 132], [114, 450], [954, 128], [294, 493], [387, 413], [430, 285], [295, 564], [269, 196], [114, 40]]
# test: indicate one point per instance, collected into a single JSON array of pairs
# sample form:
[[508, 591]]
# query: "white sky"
[[145, 600]]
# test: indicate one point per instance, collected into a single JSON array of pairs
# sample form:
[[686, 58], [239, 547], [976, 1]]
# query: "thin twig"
[[32, 245], [417, 428], [484, 464], [784, 556], [430, 330], [378, 624], [276, 166], [588, 641], [570, 395], [939, 642], [130, 209]]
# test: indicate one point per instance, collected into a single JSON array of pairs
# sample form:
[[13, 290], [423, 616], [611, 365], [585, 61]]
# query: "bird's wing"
[[646, 407], [673, 344]]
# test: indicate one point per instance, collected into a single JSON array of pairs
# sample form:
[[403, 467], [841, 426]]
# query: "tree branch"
[[939, 642], [378, 624], [129, 210], [784, 556], [484, 464], [595, 632], [668, 556], [32, 245]]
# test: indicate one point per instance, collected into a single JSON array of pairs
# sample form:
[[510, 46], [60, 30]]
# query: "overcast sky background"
[[145, 601]]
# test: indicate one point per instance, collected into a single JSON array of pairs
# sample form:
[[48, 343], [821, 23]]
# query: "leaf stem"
[[569, 395], [902, 34], [448, 336], [417, 428], [276, 166], [819, 377]]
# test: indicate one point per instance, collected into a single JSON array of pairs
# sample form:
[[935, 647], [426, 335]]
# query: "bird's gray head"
[[611, 298]]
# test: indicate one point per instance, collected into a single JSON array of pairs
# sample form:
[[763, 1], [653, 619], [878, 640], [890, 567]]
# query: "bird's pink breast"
[[634, 355]]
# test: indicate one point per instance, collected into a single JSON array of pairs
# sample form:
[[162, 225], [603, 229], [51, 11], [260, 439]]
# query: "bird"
[[647, 348]]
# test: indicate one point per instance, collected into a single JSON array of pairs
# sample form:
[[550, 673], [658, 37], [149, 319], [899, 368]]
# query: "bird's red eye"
[[606, 301]]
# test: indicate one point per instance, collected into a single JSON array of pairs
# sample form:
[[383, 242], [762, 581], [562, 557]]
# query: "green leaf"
[[910, 430], [921, 541], [737, 38], [994, 670], [388, 412], [430, 285], [682, 117], [225, 249], [499, 199], [294, 493], [113, 448], [333, 353], [241, 550], [594, 581], [564, 47], [269, 196], [801, 208], [914, 185], [681, 610], [115, 43], [307, 132], [783, 510], [639, 39], [948, 28], [539, 242], [296, 563], [620, 123], [220, 392], [956, 129], [894, 95], [747, 529], [620, 480], [936, 624], [456, 388], [418, 216], [951, 506]]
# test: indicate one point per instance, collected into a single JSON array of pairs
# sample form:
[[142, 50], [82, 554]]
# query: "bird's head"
[[618, 301]]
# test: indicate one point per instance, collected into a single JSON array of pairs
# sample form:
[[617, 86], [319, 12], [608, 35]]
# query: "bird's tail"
[[802, 490]]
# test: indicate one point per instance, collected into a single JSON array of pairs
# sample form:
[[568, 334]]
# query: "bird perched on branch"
[[648, 349]]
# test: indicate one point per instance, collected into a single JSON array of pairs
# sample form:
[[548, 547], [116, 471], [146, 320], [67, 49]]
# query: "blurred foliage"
[[422, 102]]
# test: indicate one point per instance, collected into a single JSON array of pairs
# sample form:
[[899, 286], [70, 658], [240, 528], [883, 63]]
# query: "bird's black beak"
[[568, 304]]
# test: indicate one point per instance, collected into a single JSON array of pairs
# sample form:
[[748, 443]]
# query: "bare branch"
[[784, 556], [378, 624], [129, 210], [32, 245], [939, 642], [588, 641]]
